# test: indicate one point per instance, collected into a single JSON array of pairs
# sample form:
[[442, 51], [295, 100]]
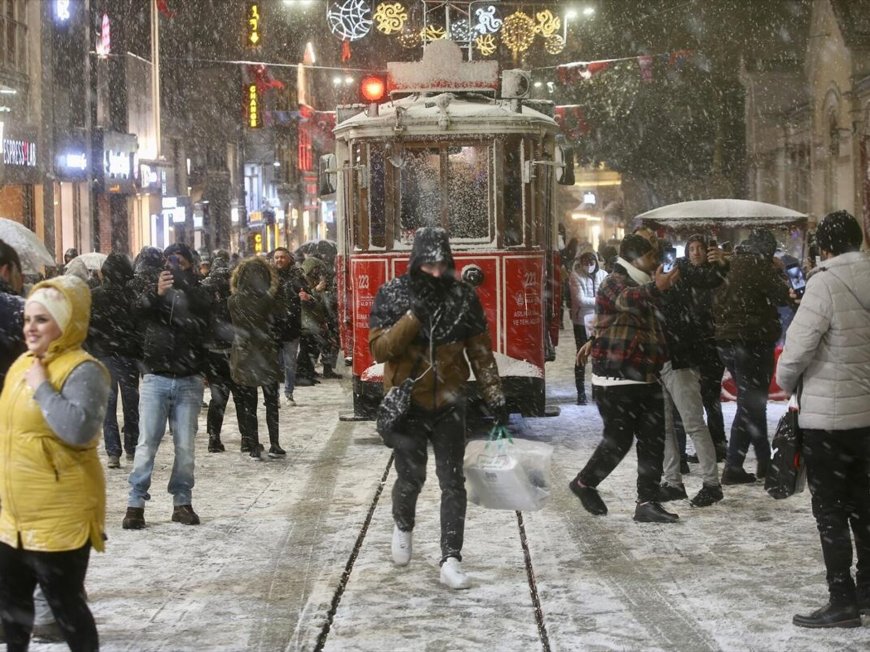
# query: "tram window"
[[468, 192], [377, 190], [420, 191], [513, 191]]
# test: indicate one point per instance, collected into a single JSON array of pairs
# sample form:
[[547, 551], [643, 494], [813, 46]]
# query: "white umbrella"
[[723, 212], [93, 260], [27, 244]]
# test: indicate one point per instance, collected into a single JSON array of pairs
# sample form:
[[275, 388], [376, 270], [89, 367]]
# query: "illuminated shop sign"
[[117, 165], [19, 152], [62, 10], [252, 25], [252, 104]]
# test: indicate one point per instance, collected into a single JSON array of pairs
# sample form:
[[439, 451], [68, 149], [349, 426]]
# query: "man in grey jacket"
[[826, 359]]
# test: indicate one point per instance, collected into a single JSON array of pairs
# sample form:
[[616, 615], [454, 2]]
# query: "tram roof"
[[446, 114]]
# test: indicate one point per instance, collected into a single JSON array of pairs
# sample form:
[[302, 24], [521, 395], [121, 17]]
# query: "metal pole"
[[155, 72]]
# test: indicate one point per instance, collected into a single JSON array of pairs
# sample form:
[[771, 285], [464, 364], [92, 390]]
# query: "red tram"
[[448, 150]]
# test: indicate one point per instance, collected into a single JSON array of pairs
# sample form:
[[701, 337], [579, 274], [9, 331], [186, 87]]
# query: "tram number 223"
[[363, 282]]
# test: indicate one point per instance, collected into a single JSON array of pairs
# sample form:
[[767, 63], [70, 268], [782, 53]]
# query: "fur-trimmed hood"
[[255, 276]]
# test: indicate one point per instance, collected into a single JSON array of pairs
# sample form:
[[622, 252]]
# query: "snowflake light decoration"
[[547, 24], [461, 31], [432, 33], [485, 44], [390, 17], [349, 20], [518, 32], [488, 21], [554, 44]]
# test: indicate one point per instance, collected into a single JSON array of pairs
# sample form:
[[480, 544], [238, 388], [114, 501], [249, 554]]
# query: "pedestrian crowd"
[[152, 333], [659, 340]]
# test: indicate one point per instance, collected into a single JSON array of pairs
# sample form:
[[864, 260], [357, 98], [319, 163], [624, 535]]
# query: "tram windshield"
[[445, 184]]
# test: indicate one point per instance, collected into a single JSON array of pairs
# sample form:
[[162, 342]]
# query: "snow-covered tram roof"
[[445, 114]]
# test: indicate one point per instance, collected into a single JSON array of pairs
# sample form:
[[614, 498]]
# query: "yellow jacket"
[[52, 495]]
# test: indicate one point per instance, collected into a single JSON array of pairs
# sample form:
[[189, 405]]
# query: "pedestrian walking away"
[[114, 339], [53, 403], [253, 306], [425, 323]]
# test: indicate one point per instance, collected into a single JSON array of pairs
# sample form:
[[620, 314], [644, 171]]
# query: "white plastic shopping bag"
[[505, 473]]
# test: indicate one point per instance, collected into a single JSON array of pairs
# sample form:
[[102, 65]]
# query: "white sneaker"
[[288, 401], [452, 575], [402, 546]]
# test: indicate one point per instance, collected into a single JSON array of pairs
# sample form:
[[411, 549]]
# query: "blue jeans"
[[124, 373], [177, 400], [288, 352], [751, 366]]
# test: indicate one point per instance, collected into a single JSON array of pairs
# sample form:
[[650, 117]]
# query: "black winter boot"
[[215, 445], [863, 593], [580, 382], [329, 373], [831, 615]]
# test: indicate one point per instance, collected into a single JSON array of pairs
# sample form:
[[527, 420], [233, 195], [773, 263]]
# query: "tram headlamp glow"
[[473, 275]]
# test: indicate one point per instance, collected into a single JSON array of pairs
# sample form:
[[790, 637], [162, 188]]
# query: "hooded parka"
[[53, 494], [253, 304], [405, 344]]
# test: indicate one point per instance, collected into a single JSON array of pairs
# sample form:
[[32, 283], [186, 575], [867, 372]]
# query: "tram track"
[[339, 591]]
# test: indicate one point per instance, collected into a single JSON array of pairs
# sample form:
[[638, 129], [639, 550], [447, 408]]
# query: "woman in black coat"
[[254, 357]]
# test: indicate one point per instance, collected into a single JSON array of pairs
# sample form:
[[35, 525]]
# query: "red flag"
[[163, 8]]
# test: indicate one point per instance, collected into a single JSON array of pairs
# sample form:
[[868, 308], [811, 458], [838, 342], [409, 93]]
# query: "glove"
[[500, 415], [419, 307]]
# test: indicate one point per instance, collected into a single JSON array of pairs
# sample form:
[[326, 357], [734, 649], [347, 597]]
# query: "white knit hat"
[[54, 301]]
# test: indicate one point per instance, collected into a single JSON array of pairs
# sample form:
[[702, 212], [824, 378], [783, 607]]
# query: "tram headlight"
[[473, 275]]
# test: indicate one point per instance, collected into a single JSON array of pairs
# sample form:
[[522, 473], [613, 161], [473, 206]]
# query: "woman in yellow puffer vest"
[[52, 489]]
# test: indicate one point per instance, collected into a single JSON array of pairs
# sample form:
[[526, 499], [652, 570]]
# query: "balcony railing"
[[13, 45]]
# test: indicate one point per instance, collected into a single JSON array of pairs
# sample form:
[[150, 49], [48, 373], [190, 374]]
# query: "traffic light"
[[372, 88]]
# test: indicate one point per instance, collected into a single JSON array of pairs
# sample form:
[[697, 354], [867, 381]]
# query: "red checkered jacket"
[[629, 338]]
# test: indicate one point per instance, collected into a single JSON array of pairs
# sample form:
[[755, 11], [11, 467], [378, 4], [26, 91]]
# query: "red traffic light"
[[372, 88]]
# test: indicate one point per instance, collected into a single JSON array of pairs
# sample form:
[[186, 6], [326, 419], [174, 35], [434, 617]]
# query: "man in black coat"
[[288, 321], [113, 338], [175, 311]]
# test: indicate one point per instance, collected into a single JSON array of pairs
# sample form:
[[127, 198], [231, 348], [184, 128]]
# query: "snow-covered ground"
[[263, 569]]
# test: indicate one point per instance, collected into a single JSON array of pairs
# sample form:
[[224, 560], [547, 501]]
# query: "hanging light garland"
[[554, 44], [547, 24], [390, 17], [485, 44], [518, 32], [432, 33], [410, 39], [461, 31], [349, 20], [488, 21]]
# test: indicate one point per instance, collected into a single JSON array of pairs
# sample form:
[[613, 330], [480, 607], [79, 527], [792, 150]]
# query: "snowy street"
[[265, 569]]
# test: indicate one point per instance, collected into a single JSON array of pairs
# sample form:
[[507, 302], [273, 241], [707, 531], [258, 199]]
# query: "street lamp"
[[571, 14]]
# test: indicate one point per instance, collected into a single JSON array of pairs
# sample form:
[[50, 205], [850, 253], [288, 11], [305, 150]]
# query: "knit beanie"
[[54, 301]]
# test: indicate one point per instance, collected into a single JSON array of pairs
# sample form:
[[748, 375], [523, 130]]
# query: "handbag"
[[507, 473], [393, 409], [787, 474]]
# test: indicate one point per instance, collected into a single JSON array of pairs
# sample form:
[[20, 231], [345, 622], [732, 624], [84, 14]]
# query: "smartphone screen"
[[796, 278], [669, 259]]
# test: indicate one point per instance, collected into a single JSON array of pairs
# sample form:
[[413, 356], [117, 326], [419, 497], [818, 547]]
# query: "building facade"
[[808, 122]]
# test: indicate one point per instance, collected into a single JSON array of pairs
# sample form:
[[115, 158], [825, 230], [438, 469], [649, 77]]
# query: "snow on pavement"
[[261, 572]]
